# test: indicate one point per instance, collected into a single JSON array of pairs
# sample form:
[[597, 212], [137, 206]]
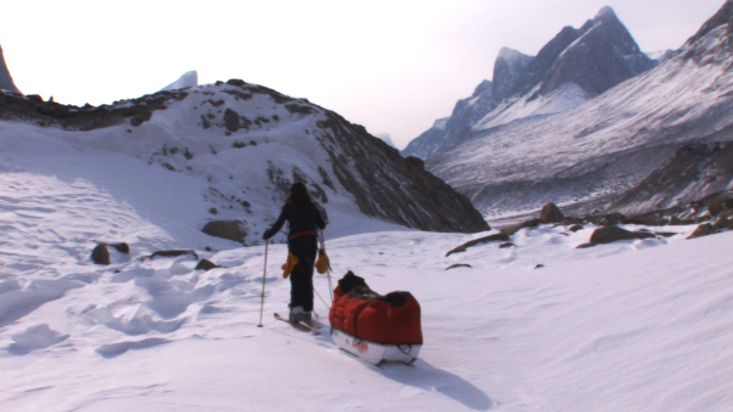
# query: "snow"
[[566, 97], [635, 325], [188, 79]]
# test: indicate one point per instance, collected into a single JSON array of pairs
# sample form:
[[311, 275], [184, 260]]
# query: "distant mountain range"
[[586, 120], [576, 65]]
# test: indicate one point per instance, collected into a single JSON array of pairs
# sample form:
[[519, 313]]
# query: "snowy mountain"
[[246, 144], [6, 80], [576, 65], [590, 155], [188, 79]]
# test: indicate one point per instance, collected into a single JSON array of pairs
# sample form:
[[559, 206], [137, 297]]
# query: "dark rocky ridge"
[[390, 187], [509, 68], [33, 109]]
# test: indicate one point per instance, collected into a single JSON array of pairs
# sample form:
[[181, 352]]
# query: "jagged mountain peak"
[[606, 17], [509, 68], [509, 55], [603, 55], [575, 65], [606, 13], [6, 80]]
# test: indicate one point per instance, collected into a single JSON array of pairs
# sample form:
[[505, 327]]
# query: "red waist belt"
[[301, 234]]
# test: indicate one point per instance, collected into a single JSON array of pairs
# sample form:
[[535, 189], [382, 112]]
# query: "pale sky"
[[393, 66]]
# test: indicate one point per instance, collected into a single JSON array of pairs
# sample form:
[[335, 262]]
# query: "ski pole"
[[328, 272], [264, 277]]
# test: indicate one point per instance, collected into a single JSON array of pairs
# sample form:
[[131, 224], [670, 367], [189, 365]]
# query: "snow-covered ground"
[[643, 325]]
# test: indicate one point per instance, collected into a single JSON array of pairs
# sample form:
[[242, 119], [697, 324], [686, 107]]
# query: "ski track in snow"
[[635, 325]]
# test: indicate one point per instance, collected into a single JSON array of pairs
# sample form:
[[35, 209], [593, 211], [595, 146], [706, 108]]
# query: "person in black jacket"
[[304, 220]]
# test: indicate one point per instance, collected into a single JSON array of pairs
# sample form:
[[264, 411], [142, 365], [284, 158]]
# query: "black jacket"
[[302, 217]]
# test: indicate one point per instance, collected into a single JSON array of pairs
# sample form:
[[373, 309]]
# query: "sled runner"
[[373, 327], [375, 353]]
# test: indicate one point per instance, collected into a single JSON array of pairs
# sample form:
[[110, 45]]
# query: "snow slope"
[[642, 325]]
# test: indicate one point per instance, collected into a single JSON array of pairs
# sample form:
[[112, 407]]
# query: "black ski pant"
[[301, 280]]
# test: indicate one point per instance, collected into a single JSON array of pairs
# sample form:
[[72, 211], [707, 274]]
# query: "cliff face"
[[6, 80]]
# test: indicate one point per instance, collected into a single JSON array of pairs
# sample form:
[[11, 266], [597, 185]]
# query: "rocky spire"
[[603, 55], [6, 80]]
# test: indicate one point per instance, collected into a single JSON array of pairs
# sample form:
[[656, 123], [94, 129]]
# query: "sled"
[[375, 353]]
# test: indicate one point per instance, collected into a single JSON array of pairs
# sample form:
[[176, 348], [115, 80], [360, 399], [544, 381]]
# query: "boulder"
[[236, 82], [227, 229], [611, 219], [121, 247], [724, 221], [458, 265], [526, 224], [205, 264], [719, 205], [231, 120], [100, 255], [575, 228], [704, 229], [608, 234], [498, 237], [550, 213], [174, 253]]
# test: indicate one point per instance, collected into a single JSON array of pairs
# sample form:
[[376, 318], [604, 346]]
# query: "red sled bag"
[[373, 327]]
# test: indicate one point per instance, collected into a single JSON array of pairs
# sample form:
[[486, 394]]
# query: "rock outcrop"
[[6, 80]]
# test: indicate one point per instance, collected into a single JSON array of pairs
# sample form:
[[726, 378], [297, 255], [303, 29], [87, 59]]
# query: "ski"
[[315, 330]]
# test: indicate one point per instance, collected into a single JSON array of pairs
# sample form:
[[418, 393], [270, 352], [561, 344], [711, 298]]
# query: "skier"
[[304, 220]]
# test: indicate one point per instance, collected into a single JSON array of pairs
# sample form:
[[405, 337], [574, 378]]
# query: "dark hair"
[[299, 194]]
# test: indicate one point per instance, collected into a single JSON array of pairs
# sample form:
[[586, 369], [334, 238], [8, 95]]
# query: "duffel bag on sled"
[[373, 327]]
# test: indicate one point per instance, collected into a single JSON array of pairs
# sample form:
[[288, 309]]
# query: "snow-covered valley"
[[634, 325]]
